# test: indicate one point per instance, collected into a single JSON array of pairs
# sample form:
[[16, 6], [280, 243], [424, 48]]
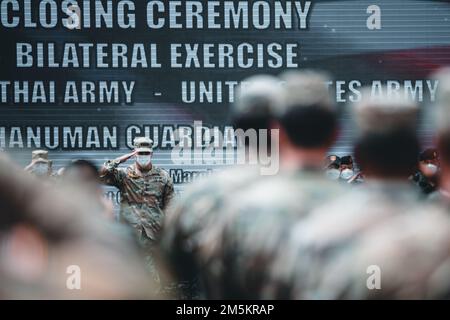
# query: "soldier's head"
[[40, 164], [256, 99], [429, 162], [143, 147], [83, 172], [307, 117], [332, 160], [387, 144], [346, 167]]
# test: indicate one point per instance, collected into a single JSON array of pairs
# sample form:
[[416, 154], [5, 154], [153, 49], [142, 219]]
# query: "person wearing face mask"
[[426, 178], [332, 167], [146, 191], [40, 165], [346, 168]]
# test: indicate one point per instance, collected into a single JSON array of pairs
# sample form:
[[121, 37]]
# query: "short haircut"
[[246, 122], [393, 153], [310, 127], [81, 163]]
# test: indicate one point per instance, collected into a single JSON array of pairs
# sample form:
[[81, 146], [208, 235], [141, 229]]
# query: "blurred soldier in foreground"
[[54, 245], [40, 165], [258, 218], [85, 173], [380, 225], [443, 134], [146, 191], [188, 226]]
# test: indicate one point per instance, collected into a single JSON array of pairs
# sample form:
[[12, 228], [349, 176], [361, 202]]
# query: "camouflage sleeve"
[[168, 193], [110, 173]]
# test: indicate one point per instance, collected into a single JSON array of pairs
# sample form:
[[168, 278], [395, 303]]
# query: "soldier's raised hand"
[[127, 156]]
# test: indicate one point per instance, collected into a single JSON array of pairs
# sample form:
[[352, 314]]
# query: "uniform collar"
[[132, 168]]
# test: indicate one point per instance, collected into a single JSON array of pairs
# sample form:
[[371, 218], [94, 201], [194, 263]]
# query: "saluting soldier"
[[146, 191]]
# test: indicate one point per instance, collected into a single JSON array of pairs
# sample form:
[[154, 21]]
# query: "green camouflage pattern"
[[322, 252], [410, 253], [144, 197], [256, 228], [189, 220], [225, 229]]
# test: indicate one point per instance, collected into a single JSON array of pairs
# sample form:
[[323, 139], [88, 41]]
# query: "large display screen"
[[83, 78]]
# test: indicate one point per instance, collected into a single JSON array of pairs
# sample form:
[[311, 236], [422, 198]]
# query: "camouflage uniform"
[[255, 229], [381, 223], [238, 257], [227, 237], [201, 208], [410, 253], [190, 219], [331, 231], [144, 197]]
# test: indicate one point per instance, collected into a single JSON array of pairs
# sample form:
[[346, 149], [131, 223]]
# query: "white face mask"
[[40, 169], [346, 174], [432, 169], [143, 160], [333, 174]]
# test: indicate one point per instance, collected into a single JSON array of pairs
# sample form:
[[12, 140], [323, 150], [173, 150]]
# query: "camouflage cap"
[[381, 112], [40, 156], [304, 89], [143, 144], [257, 96]]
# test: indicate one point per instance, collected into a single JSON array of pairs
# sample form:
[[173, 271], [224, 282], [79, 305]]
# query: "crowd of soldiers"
[[300, 234], [374, 225]]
